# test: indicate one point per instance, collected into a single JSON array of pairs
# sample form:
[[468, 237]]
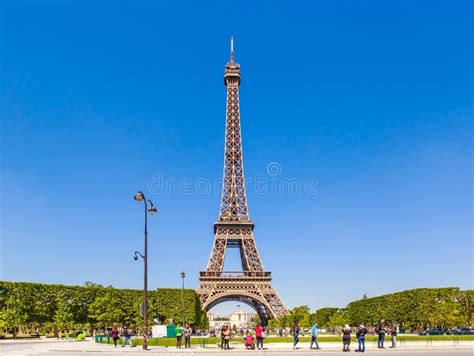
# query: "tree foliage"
[[32, 306], [416, 308], [323, 316], [413, 309]]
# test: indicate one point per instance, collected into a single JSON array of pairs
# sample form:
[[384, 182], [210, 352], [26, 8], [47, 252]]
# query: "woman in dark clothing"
[[223, 337], [115, 335], [296, 334], [361, 332], [346, 338]]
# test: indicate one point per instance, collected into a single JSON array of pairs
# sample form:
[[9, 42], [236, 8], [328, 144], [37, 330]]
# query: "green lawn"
[[329, 338]]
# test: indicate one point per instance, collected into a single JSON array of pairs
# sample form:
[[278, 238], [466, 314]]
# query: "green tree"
[[106, 310], [14, 315], [63, 316], [466, 301], [339, 319], [323, 316], [302, 314]]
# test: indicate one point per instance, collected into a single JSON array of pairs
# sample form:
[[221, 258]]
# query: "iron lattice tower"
[[234, 229]]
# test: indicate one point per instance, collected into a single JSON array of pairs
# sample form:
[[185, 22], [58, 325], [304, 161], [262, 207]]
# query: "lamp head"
[[139, 196], [151, 209], [183, 274], [135, 257]]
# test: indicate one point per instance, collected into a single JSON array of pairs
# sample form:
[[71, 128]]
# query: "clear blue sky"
[[372, 99]]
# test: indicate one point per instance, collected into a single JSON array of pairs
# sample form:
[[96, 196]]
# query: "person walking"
[[361, 332], [394, 334], [259, 336], [346, 338], [314, 336], [115, 335], [127, 336], [381, 333], [187, 331], [179, 336], [296, 333]]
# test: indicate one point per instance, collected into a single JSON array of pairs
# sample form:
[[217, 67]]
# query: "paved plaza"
[[53, 347]]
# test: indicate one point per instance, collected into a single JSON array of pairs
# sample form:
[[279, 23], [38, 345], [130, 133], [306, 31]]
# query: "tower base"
[[252, 288]]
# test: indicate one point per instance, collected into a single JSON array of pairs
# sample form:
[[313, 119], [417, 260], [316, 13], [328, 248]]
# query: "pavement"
[[65, 348]]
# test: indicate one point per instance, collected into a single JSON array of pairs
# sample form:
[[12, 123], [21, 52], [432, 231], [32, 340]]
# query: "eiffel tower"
[[234, 229]]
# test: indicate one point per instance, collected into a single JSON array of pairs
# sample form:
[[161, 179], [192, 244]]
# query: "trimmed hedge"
[[270, 340], [50, 308], [415, 309]]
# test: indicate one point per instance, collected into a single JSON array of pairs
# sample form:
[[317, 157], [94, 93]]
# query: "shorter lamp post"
[[139, 196], [183, 275]]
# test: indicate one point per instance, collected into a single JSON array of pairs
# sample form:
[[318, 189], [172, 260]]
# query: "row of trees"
[[49, 308], [413, 309]]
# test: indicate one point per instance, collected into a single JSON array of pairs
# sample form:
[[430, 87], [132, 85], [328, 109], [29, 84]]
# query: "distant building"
[[242, 319], [239, 318], [216, 322]]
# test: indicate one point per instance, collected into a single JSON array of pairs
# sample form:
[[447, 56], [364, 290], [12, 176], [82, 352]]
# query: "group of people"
[[381, 330], [225, 337], [259, 335], [127, 336], [251, 342], [183, 333], [180, 334], [314, 331], [360, 332]]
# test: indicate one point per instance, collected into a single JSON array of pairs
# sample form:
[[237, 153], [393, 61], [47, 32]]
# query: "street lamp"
[[183, 275], [136, 254], [139, 196]]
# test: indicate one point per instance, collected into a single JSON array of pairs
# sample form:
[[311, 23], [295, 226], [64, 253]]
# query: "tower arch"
[[257, 303]]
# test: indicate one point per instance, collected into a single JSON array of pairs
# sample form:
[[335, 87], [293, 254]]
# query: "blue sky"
[[372, 99]]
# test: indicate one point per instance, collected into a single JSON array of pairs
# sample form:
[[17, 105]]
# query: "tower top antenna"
[[231, 49]]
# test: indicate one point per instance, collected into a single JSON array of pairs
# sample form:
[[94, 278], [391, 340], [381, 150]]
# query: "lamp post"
[[183, 275], [139, 196]]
